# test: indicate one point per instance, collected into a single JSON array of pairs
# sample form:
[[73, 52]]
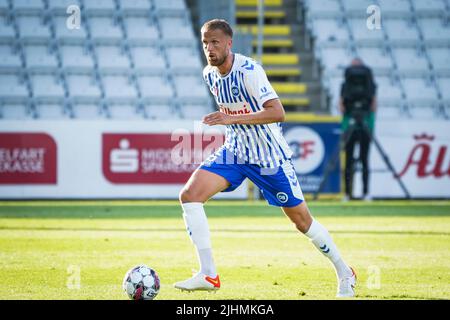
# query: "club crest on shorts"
[[282, 197]]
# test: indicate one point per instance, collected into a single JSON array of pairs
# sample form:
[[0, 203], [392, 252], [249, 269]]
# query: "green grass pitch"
[[81, 250]]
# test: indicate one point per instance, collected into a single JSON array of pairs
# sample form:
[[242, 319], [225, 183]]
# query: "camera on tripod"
[[357, 92]]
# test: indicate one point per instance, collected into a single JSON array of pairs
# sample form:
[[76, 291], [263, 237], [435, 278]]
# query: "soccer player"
[[254, 148]]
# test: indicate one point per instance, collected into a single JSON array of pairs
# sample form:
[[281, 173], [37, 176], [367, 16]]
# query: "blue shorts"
[[279, 186]]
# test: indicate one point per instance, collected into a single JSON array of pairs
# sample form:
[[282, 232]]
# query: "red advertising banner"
[[27, 158], [155, 158]]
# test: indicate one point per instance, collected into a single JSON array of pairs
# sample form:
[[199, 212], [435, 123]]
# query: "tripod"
[[358, 125]]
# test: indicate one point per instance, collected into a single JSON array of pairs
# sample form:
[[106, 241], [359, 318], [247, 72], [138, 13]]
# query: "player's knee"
[[189, 195], [302, 226]]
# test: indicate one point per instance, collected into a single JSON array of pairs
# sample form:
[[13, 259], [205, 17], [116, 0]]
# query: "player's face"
[[216, 46]]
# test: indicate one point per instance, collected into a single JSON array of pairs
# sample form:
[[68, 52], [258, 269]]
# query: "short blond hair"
[[218, 24]]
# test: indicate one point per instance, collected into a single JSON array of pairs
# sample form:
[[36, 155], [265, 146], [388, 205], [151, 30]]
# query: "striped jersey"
[[244, 90]]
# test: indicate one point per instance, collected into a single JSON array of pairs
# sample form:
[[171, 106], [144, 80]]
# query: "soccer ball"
[[141, 283]]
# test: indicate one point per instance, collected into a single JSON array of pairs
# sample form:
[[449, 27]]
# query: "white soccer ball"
[[141, 283]]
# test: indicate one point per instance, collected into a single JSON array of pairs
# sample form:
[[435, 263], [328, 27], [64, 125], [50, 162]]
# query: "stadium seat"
[[440, 59], [40, 58], [7, 34], [4, 4], [123, 112], [119, 89], [389, 112], [331, 30], [105, 30], [100, 7], [444, 84], [32, 29], [148, 60], [155, 87], [12, 89], [408, 60], [136, 7], [184, 58], [51, 111], [10, 60], [388, 90], [156, 111], [356, 7], [375, 58], [111, 59], [47, 88], [400, 30], [176, 29], [190, 87], [322, 8], [76, 58], [141, 30], [335, 60], [82, 88], [171, 7], [14, 112], [195, 112], [88, 111], [434, 30], [28, 6], [419, 92], [362, 34], [395, 9], [427, 7], [423, 112], [60, 6]]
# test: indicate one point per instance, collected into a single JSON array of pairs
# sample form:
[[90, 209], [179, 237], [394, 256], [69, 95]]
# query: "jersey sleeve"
[[259, 86]]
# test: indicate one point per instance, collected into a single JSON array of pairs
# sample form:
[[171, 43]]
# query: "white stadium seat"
[[176, 29], [123, 112], [105, 29], [408, 59], [83, 88], [141, 29], [6, 30], [12, 88], [157, 111], [51, 111], [190, 87], [119, 88], [147, 59], [88, 111], [40, 57], [329, 30], [47, 88], [31, 28], [155, 87], [76, 58], [184, 57], [9, 60], [111, 58], [400, 30], [14, 112]]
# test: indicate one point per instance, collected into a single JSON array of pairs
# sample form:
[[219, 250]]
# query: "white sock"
[[322, 240], [198, 229]]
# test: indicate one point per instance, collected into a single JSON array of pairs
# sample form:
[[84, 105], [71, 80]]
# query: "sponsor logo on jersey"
[[233, 112]]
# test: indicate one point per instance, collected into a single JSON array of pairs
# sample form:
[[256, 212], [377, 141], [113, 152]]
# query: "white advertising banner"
[[420, 153], [103, 159]]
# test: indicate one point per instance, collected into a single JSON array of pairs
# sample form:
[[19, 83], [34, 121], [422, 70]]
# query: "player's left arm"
[[272, 111]]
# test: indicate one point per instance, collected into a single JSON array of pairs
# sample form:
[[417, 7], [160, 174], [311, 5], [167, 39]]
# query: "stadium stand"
[[127, 60], [409, 54]]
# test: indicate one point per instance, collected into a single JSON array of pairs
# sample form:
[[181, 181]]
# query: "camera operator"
[[358, 105]]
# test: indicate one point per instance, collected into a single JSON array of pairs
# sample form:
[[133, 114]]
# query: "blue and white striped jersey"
[[244, 90]]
